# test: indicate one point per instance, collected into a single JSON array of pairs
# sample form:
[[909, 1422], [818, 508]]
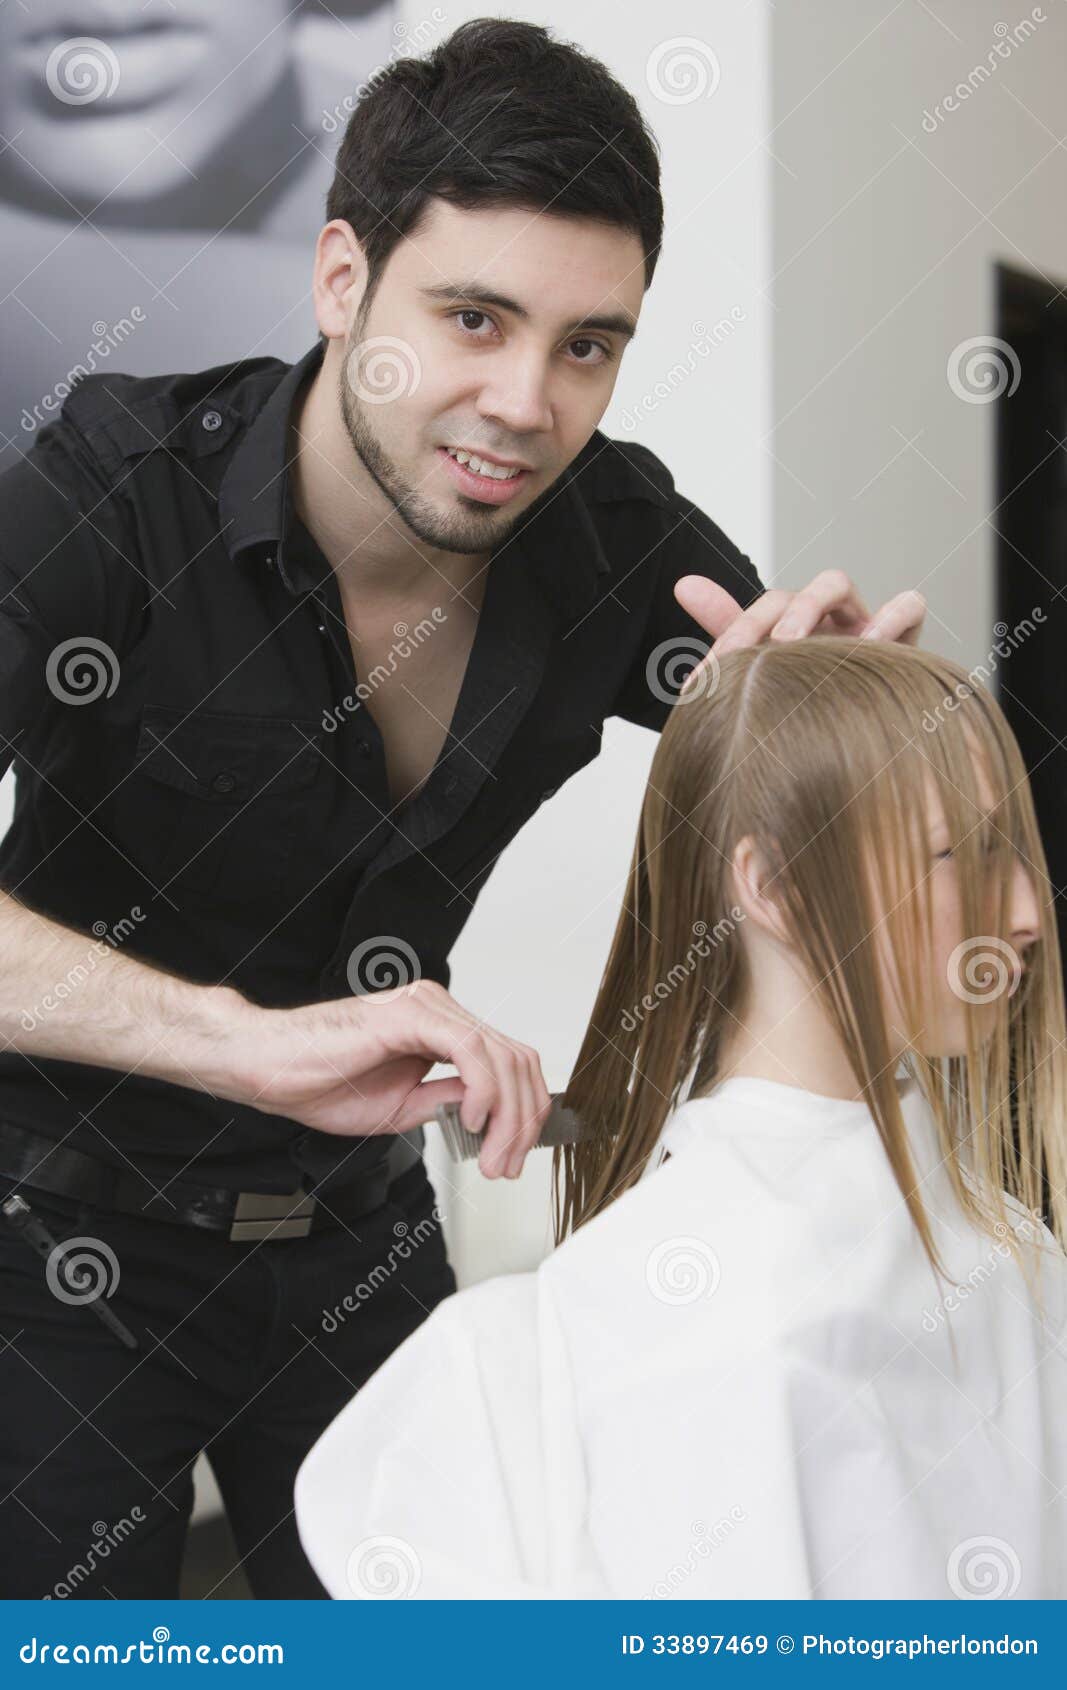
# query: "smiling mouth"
[[480, 481], [491, 467]]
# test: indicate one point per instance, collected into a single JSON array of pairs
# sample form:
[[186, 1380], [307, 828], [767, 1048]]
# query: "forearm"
[[352, 1066], [72, 996]]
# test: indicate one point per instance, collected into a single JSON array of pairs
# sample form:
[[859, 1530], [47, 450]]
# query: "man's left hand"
[[830, 604]]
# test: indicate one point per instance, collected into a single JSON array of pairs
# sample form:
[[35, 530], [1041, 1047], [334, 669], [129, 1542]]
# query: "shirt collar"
[[254, 499], [560, 536]]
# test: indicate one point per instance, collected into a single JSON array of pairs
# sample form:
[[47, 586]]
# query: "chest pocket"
[[223, 799]]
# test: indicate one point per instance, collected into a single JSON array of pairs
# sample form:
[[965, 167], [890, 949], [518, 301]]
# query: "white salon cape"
[[740, 1380]]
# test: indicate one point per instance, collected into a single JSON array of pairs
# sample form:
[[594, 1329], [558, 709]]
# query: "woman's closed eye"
[[990, 849]]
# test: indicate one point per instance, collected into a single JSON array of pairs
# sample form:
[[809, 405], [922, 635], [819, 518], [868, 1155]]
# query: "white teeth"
[[495, 472]]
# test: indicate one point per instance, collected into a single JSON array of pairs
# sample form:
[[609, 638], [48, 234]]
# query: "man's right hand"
[[356, 1066]]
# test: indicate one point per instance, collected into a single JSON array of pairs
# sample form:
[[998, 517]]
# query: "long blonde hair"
[[821, 749]]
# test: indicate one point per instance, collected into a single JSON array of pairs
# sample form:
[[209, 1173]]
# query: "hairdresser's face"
[[121, 100], [980, 968], [523, 377]]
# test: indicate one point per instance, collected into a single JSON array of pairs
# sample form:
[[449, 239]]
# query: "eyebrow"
[[613, 322]]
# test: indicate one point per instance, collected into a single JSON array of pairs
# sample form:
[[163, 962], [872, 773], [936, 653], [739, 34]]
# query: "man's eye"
[[598, 346], [471, 333], [469, 311]]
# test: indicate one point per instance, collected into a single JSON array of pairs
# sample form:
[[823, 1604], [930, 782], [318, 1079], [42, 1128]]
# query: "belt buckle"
[[271, 1215]]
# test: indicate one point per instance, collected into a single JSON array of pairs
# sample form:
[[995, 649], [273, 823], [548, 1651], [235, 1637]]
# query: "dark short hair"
[[498, 114]]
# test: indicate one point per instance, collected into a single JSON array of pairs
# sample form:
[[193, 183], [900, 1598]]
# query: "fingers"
[[422, 1103], [831, 594], [831, 598], [755, 623], [503, 1086], [707, 603], [531, 1121], [900, 618], [523, 1101], [748, 628]]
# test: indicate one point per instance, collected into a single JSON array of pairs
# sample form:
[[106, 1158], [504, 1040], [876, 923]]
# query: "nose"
[[1024, 911], [516, 396]]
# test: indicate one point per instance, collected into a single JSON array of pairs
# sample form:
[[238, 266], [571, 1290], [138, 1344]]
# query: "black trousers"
[[248, 1351]]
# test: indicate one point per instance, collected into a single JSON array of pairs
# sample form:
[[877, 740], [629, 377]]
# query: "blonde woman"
[[803, 1334]]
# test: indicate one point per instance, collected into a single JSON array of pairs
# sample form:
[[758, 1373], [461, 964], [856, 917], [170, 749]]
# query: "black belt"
[[38, 1163]]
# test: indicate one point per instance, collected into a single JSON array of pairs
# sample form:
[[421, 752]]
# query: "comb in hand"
[[562, 1126]]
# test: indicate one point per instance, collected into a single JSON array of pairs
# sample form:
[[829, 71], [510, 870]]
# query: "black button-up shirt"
[[199, 777]]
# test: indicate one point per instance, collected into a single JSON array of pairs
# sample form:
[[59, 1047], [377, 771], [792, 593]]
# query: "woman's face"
[[965, 968]]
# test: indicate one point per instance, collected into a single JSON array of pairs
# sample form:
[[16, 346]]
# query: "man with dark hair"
[[291, 654]]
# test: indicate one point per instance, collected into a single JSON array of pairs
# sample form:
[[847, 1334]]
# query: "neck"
[[366, 541], [785, 1036]]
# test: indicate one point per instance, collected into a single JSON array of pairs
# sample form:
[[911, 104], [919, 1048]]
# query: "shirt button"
[[269, 561], [364, 748], [223, 782], [211, 420]]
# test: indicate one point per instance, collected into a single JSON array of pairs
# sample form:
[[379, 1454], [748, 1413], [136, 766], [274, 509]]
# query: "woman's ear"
[[755, 888]]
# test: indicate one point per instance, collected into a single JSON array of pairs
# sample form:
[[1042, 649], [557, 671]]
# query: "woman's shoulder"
[[673, 1231]]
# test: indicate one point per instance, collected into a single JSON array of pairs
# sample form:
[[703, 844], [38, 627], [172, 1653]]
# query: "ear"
[[339, 279], [756, 888]]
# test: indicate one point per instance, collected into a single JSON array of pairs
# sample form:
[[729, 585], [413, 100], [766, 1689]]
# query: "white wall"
[[885, 238]]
